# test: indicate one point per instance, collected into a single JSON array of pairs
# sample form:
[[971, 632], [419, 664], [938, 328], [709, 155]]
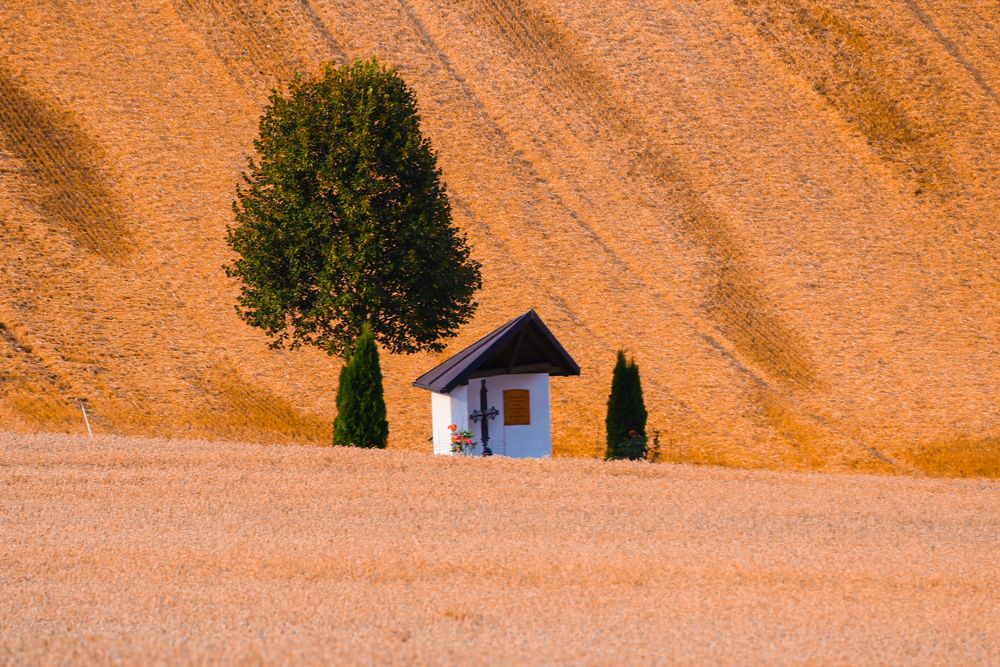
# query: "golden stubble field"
[[786, 209], [141, 551]]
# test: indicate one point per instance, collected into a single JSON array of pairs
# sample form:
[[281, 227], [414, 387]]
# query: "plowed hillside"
[[786, 209]]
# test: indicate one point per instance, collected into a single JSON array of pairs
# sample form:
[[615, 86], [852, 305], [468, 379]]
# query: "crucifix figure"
[[486, 414]]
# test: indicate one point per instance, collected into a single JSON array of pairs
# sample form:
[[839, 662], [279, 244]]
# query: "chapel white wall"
[[525, 441], [447, 409]]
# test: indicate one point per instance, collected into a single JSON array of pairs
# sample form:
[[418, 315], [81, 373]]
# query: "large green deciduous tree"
[[343, 219], [360, 418], [626, 420]]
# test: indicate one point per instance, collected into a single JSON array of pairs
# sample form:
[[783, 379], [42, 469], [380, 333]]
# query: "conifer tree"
[[626, 420], [361, 418]]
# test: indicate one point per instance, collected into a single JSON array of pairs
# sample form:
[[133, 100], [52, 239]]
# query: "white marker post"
[[83, 408]]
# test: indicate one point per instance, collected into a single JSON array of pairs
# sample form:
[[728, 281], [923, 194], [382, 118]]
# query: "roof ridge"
[[456, 369], [470, 349]]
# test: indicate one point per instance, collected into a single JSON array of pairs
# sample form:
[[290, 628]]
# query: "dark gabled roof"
[[523, 345]]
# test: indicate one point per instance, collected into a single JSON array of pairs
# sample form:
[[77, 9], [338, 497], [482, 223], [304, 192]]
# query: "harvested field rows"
[[143, 551], [61, 160], [785, 209]]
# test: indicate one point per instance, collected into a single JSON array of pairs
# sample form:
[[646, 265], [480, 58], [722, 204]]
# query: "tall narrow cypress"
[[626, 420], [361, 419]]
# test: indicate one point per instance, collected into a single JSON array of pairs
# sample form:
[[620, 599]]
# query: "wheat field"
[[785, 209], [139, 551]]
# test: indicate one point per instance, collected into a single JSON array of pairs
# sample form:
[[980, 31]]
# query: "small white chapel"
[[498, 388]]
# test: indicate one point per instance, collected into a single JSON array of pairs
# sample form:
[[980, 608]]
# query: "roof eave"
[[491, 342]]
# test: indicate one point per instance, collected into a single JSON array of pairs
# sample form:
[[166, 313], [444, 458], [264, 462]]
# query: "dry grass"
[[852, 72], [786, 209], [261, 44], [135, 551], [43, 408], [242, 407], [962, 457], [733, 295], [66, 166]]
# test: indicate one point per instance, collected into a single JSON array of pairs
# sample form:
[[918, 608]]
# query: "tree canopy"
[[343, 219]]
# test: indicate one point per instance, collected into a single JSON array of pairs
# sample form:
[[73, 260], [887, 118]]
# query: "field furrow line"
[[61, 160]]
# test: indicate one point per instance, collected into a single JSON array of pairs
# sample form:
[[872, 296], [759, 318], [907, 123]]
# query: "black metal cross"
[[486, 414]]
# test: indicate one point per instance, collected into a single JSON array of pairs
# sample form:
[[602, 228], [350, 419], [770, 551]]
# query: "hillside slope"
[[786, 209]]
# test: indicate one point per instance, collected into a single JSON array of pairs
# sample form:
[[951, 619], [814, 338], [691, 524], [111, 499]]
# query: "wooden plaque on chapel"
[[516, 407]]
